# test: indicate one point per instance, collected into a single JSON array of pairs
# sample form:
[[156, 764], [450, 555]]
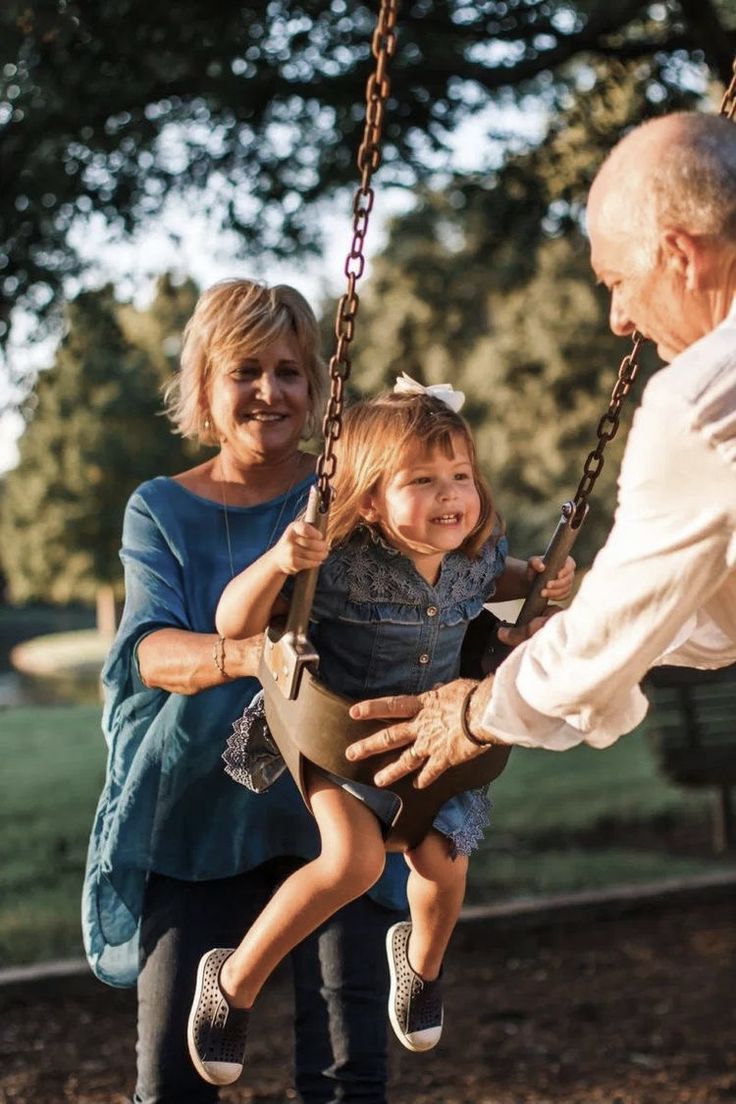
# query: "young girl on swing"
[[413, 549]]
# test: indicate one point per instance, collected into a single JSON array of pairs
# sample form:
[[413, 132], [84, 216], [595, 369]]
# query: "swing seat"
[[314, 726]]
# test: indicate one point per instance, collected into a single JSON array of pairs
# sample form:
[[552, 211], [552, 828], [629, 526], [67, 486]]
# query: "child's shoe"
[[414, 1005], [216, 1032]]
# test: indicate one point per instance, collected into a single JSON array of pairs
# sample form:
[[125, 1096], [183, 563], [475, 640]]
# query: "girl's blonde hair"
[[376, 435], [236, 318]]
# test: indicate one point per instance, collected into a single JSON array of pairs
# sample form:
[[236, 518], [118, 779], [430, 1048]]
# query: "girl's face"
[[259, 402], [428, 506]]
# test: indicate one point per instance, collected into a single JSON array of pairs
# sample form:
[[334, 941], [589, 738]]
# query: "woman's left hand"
[[558, 589]]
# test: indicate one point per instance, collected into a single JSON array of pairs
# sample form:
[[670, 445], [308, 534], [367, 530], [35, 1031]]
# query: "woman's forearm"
[[185, 662]]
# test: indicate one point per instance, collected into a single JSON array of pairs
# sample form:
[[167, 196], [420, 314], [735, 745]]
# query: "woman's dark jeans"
[[340, 988]]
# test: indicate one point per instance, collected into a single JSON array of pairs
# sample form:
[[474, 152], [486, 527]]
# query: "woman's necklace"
[[276, 524]]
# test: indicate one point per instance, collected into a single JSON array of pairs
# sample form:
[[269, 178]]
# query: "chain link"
[[377, 92], [607, 427], [728, 103]]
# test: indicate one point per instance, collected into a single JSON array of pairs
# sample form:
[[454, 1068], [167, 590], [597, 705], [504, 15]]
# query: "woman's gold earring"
[[207, 425]]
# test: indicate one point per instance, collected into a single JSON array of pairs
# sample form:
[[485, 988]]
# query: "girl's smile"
[[429, 506]]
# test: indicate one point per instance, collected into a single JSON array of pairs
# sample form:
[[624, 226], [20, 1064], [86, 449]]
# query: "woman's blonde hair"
[[236, 318], [376, 435]]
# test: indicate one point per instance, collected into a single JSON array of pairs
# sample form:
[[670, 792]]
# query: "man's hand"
[[430, 728]]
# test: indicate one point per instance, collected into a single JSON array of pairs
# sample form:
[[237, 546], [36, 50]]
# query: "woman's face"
[[259, 402]]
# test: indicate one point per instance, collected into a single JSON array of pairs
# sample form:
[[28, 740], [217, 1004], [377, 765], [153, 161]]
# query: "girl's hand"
[[558, 589], [300, 547]]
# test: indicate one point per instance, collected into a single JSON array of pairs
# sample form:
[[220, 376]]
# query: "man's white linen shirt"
[[663, 588]]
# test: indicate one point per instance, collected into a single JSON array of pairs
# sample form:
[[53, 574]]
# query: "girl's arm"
[[518, 575], [247, 602]]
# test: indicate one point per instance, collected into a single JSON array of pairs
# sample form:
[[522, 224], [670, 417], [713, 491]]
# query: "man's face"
[[647, 294]]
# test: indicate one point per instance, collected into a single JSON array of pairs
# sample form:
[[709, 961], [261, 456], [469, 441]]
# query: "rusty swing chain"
[[728, 103], [377, 92]]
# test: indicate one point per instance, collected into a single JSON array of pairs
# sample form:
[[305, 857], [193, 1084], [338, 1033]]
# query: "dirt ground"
[[627, 1009]]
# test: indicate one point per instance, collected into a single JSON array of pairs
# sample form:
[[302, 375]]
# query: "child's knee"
[[433, 859], [357, 868]]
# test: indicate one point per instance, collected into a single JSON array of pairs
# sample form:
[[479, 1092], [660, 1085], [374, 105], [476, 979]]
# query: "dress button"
[[424, 658], [431, 611]]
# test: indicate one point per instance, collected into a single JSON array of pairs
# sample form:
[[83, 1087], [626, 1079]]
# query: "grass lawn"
[[53, 764], [587, 819], [584, 819]]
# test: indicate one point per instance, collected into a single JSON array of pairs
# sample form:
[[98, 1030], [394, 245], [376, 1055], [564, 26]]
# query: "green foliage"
[[94, 433], [111, 107]]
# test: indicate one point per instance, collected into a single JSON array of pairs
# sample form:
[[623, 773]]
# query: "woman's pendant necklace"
[[275, 528]]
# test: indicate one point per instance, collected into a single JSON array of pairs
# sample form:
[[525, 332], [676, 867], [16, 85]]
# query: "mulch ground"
[[632, 1009]]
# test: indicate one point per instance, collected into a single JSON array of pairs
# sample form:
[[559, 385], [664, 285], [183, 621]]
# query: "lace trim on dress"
[[251, 756], [467, 838], [373, 572]]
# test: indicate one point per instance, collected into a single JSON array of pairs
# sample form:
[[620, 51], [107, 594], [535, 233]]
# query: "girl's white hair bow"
[[445, 392]]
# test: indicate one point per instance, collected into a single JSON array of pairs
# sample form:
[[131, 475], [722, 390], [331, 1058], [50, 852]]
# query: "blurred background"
[[147, 150]]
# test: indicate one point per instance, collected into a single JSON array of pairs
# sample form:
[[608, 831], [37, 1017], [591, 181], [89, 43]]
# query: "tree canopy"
[[111, 107], [93, 434]]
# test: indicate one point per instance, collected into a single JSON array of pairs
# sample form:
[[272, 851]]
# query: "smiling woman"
[[180, 857]]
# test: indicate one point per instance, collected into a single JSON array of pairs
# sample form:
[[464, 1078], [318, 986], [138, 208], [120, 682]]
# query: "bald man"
[[662, 226]]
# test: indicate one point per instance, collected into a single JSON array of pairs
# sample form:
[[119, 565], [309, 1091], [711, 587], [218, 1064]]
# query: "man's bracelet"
[[464, 721], [218, 655]]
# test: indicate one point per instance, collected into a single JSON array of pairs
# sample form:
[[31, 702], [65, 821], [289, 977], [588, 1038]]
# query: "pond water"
[[22, 623], [17, 689]]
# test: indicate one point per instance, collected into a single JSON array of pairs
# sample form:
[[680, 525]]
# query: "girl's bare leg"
[[351, 861], [436, 890]]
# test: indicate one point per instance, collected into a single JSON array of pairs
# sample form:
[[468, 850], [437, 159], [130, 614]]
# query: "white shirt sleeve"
[[663, 589]]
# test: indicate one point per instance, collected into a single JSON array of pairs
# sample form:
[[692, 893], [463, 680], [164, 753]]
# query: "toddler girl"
[[412, 551]]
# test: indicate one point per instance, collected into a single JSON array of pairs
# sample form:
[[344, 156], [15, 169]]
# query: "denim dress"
[[379, 628]]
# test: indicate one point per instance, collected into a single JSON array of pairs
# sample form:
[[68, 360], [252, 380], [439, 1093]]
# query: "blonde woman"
[[180, 856]]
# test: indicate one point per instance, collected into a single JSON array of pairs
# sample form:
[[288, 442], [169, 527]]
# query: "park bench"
[[692, 724]]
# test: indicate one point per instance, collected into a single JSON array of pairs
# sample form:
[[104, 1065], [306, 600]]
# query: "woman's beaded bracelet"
[[218, 655], [464, 721]]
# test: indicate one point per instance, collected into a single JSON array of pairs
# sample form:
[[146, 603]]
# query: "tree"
[[94, 433], [110, 108]]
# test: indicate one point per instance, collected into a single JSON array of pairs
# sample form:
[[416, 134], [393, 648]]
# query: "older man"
[[662, 226]]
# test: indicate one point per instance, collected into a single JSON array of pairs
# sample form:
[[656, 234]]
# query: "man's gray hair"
[[694, 184]]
